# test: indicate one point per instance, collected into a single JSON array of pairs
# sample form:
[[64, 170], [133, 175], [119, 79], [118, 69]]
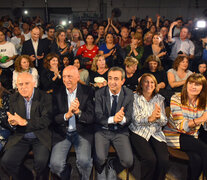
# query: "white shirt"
[[111, 118], [7, 49]]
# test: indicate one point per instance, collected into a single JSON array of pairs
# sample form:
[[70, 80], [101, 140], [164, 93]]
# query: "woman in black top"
[[132, 75], [50, 78], [62, 47]]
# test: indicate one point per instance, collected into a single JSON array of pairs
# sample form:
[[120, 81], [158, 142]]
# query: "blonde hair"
[[94, 63], [80, 34], [129, 61]]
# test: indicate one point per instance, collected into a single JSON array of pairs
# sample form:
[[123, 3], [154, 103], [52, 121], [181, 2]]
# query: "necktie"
[[114, 105]]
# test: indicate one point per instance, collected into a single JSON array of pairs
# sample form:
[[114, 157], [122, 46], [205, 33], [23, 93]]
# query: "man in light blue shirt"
[[73, 109]]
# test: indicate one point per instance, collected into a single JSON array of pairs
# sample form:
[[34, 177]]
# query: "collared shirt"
[[71, 121], [28, 105], [111, 118], [35, 45], [142, 109], [185, 46]]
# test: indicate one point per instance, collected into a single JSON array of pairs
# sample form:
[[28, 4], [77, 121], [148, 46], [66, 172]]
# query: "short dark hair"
[[115, 68]]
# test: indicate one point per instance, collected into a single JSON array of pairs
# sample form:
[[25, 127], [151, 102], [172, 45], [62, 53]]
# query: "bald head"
[[71, 77], [25, 84], [35, 34]]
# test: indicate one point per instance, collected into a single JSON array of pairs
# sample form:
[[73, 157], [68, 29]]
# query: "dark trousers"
[[153, 156], [197, 152], [120, 142], [14, 156]]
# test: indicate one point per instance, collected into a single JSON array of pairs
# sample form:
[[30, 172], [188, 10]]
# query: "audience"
[[139, 46]]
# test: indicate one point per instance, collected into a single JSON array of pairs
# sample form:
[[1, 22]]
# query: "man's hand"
[[32, 57], [16, 120], [74, 106], [40, 57], [119, 115]]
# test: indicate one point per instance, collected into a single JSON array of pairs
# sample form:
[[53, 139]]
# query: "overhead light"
[[200, 24], [63, 23], [25, 12], [69, 22]]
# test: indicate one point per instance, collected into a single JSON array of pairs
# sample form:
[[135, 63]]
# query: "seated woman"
[[84, 74], [88, 50], [179, 73], [108, 49], [22, 64], [132, 75], [135, 49], [202, 67], [4, 108], [147, 137], [62, 47], [50, 78], [99, 72], [188, 112]]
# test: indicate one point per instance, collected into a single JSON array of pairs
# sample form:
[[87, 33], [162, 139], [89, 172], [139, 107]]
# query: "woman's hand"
[[155, 114]]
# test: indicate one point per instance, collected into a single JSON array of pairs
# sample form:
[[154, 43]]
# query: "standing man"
[[35, 48], [30, 115], [73, 116], [18, 39], [113, 111], [181, 46]]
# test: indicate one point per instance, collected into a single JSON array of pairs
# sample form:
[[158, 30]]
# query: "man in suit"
[[73, 118], [113, 113], [30, 116], [35, 48]]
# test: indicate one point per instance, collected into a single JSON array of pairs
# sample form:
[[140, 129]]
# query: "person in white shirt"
[[7, 52], [18, 39], [147, 136]]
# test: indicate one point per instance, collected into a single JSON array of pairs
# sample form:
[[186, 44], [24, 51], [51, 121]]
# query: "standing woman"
[[188, 113], [50, 78], [62, 47], [147, 136], [24, 64], [88, 50]]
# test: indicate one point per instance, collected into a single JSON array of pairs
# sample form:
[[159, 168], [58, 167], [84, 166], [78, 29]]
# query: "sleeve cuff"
[[65, 117], [111, 120], [186, 127], [123, 121]]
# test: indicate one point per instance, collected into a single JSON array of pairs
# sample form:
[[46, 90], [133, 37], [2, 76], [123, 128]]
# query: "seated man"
[[73, 116], [30, 115], [113, 111]]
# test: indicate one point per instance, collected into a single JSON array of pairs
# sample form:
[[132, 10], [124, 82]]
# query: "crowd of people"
[[92, 85]]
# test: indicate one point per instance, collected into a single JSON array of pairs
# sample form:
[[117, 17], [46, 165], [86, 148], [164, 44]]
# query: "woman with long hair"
[[61, 46], [188, 113], [51, 78], [24, 64]]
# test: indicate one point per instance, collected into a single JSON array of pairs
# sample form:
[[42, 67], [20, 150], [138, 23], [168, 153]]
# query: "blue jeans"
[[83, 154], [4, 134]]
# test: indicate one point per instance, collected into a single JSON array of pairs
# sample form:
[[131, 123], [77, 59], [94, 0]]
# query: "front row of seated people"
[[120, 118]]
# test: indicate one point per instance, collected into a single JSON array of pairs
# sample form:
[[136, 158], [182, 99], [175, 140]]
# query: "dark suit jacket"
[[103, 107], [28, 49], [40, 117], [84, 123]]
